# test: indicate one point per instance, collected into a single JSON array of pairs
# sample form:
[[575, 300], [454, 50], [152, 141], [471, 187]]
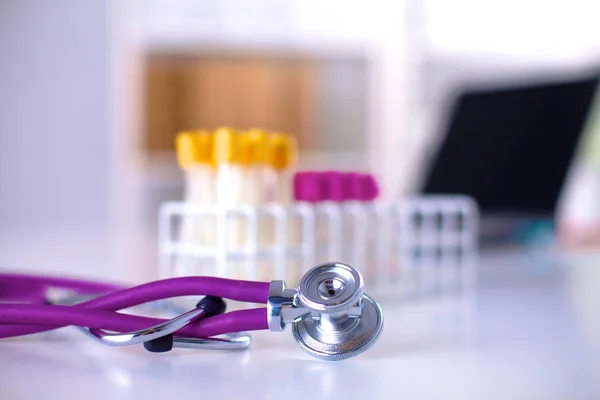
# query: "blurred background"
[[93, 93], [493, 99]]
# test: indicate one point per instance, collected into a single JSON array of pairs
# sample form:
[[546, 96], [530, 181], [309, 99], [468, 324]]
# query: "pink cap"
[[335, 186], [352, 182], [369, 188], [308, 187]]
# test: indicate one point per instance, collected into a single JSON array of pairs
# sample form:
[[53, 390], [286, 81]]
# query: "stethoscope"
[[331, 317]]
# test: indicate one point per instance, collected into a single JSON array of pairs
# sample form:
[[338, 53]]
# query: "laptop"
[[511, 148]]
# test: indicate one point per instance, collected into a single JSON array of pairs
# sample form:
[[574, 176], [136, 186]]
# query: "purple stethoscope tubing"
[[22, 319]]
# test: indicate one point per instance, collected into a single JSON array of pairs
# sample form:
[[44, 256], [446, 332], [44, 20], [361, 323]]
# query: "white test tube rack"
[[414, 246]]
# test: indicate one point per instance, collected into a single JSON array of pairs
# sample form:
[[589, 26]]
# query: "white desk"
[[533, 334]]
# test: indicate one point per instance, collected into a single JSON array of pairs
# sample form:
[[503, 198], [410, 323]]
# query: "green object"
[[591, 135]]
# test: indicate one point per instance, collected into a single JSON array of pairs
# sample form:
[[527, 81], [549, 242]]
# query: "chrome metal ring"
[[330, 288], [357, 336]]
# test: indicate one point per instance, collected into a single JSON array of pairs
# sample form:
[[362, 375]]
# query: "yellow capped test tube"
[[225, 158], [228, 190], [194, 152], [194, 156], [253, 158], [186, 151], [281, 158]]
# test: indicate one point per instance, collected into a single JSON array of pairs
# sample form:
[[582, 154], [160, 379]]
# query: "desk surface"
[[533, 332]]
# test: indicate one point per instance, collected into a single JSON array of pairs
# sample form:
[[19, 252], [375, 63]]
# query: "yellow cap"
[[194, 148], [186, 149], [253, 147], [281, 151], [204, 146], [225, 146]]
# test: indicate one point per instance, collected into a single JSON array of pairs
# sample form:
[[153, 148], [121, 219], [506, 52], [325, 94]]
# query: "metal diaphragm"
[[341, 339]]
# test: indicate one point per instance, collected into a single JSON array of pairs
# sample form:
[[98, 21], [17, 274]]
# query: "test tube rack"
[[413, 246]]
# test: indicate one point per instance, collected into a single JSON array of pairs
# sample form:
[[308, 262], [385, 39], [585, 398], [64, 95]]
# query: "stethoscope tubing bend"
[[101, 312]]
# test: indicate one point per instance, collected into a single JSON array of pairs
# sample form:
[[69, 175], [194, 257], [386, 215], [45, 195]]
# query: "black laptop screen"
[[510, 149]]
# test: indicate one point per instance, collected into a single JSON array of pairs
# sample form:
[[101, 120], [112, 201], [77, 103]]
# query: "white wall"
[[54, 149], [523, 30], [55, 153]]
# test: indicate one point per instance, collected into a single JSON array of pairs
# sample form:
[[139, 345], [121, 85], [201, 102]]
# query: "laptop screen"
[[510, 149]]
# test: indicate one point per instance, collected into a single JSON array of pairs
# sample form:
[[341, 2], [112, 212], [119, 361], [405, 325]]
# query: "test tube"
[[367, 233], [194, 156], [202, 174], [281, 159], [336, 229], [252, 159], [227, 188]]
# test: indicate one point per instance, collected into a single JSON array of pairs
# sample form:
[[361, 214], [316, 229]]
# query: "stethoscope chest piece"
[[331, 317], [356, 336]]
